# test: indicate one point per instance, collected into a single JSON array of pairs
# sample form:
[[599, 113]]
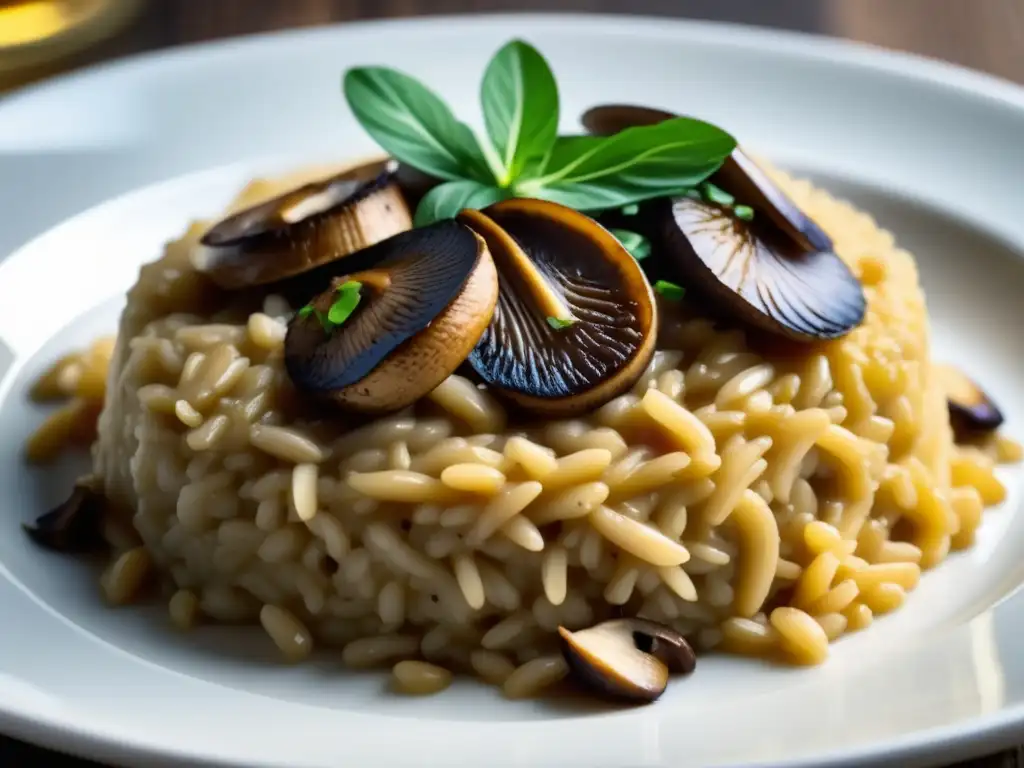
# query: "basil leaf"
[[634, 242], [413, 124], [591, 172], [595, 197], [446, 200], [519, 97]]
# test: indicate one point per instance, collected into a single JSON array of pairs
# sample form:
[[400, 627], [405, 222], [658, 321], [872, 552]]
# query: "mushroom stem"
[[537, 283]]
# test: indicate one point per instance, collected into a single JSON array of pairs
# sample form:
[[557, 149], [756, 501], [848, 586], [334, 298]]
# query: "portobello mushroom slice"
[[741, 242], [753, 272], [971, 411], [627, 658], [575, 323], [740, 177], [305, 227], [378, 339]]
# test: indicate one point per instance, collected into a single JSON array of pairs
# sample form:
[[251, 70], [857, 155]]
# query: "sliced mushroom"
[[752, 271], [75, 525], [609, 119], [971, 411], [308, 226], [424, 301], [627, 658], [575, 323], [744, 244], [739, 175]]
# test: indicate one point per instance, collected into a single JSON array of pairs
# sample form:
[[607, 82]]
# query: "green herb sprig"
[[341, 309], [522, 154]]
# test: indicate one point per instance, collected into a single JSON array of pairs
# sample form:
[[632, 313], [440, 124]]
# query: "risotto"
[[743, 492]]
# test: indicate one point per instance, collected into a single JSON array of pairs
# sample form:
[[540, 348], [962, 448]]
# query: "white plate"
[[933, 151]]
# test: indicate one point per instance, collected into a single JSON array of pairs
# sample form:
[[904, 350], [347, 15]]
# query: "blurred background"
[[40, 38]]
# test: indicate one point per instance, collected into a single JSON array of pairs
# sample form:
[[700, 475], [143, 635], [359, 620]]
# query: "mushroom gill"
[[305, 227], [752, 271], [575, 323], [407, 320]]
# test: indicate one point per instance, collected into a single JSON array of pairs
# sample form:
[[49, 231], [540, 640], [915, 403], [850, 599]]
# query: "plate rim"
[[808, 45], [991, 729]]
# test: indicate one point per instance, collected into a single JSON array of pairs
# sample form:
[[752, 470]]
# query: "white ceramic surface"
[[934, 152]]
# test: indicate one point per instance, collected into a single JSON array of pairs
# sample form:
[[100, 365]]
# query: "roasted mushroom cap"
[[311, 225], [739, 175], [627, 658], [752, 270], [971, 411], [424, 301], [75, 525], [575, 323], [747, 246], [609, 119]]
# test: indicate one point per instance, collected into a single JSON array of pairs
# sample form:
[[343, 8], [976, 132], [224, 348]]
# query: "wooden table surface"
[[983, 34]]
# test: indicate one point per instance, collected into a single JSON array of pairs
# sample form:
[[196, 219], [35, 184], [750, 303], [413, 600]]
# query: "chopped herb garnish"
[[744, 212], [345, 304], [670, 291], [630, 210], [559, 324], [717, 195], [635, 243], [342, 308]]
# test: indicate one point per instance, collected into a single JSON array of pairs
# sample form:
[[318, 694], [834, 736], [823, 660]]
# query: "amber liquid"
[[24, 22], [37, 35]]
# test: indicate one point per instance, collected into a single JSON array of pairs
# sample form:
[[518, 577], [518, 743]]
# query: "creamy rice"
[[756, 496]]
